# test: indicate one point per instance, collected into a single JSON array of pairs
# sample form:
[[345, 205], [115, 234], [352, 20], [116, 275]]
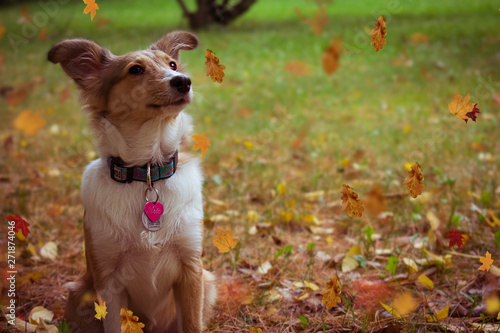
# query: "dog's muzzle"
[[181, 83]]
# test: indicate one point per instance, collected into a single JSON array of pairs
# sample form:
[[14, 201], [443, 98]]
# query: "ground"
[[285, 138]]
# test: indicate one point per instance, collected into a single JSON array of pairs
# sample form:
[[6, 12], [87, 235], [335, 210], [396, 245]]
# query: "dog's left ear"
[[175, 41]]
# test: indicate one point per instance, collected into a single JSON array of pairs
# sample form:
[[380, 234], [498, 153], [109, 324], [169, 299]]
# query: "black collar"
[[122, 174]]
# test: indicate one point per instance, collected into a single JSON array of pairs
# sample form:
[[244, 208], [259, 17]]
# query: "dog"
[[137, 256]]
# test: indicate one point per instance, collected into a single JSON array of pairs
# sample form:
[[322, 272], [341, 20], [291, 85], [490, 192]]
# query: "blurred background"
[[281, 124]]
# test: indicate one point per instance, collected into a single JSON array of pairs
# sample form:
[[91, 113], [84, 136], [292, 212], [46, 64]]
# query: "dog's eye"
[[136, 69], [173, 65]]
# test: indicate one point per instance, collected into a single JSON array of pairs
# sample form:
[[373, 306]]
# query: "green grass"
[[364, 107]]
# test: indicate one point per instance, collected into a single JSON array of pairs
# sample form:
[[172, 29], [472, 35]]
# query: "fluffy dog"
[[137, 257]]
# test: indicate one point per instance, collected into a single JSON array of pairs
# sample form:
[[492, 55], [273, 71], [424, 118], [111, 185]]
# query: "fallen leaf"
[[255, 330], [492, 304], [311, 285], [264, 268], [419, 37], [425, 282], [20, 93], [281, 188], [455, 237], [90, 8], [298, 68], [49, 251], [225, 240], [42, 327], [487, 261], [331, 293], [378, 33], [65, 94], [201, 143], [129, 322], [39, 314], [461, 107], [402, 304], [392, 264], [440, 315], [100, 310], [331, 57], [21, 224], [214, 70], [350, 202], [413, 181], [29, 122]]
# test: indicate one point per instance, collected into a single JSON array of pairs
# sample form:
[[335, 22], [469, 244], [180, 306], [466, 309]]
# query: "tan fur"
[[138, 117]]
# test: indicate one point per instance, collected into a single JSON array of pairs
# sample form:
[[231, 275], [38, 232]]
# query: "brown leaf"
[[375, 200], [460, 106], [65, 94], [413, 181], [350, 202], [20, 93], [331, 57], [317, 22], [331, 293], [298, 68], [214, 70], [378, 33]]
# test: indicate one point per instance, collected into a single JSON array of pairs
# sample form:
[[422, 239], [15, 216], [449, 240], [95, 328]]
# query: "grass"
[[312, 133]]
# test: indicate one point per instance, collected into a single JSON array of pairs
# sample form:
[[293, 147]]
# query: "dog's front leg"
[[115, 296], [188, 293]]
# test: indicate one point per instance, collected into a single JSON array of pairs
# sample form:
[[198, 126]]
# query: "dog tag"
[[151, 217]]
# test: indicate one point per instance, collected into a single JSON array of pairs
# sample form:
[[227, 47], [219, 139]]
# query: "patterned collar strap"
[[122, 174]]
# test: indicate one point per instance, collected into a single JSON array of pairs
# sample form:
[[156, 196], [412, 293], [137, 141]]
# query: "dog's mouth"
[[177, 102]]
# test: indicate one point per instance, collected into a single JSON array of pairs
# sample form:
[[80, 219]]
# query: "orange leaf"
[[130, 323], [375, 200], [254, 330], [298, 68], [225, 241], [25, 14], [317, 22], [413, 181], [42, 35], [460, 106], [214, 70], [90, 8], [2, 30], [331, 293], [487, 261], [20, 93], [331, 57], [378, 33], [201, 143], [29, 122], [350, 202]]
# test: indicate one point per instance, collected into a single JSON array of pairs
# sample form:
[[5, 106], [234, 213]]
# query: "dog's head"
[[131, 88]]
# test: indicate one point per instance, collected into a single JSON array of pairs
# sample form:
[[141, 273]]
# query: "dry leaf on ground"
[[225, 240], [331, 293]]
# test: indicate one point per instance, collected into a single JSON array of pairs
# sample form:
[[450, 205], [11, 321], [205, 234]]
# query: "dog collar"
[[123, 174]]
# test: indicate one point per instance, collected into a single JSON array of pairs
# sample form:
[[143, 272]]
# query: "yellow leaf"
[[440, 315], [20, 236], [248, 144], [215, 70], [49, 251], [349, 264], [331, 293], [495, 221], [252, 216], [354, 251], [39, 314], [100, 309], [201, 143], [433, 220], [391, 310], [487, 261], [350, 202], [404, 303], [311, 285], [130, 323], [225, 241], [286, 216], [492, 304], [460, 106], [29, 122], [255, 330], [378, 33], [281, 188], [311, 219], [426, 282], [90, 8], [408, 166], [413, 181]]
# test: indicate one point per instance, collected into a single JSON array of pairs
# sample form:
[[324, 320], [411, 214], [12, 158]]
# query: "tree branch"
[[238, 9], [184, 8]]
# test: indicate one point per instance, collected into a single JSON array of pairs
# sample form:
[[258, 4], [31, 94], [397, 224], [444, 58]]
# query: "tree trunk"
[[210, 12]]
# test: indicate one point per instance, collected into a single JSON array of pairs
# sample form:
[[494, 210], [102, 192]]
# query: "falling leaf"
[[426, 282], [214, 70], [378, 33], [2, 30], [225, 240], [413, 181], [49, 251], [455, 237], [21, 224], [100, 309], [487, 261], [331, 293], [255, 330], [39, 314], [298, 68], [350, 202], [90, 8], [42, 35], [392, 264], [461, 107], [440, 315], [317, 22], [331, 57], [29, 122], [130, 323], [201, 143]]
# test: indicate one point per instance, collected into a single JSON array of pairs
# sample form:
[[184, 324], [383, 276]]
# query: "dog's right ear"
[[82, 59]]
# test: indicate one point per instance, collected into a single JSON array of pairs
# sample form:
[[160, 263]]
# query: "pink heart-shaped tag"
[[153, 210]]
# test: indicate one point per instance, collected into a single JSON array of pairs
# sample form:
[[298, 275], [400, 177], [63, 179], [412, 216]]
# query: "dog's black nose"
[[181, 83]]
